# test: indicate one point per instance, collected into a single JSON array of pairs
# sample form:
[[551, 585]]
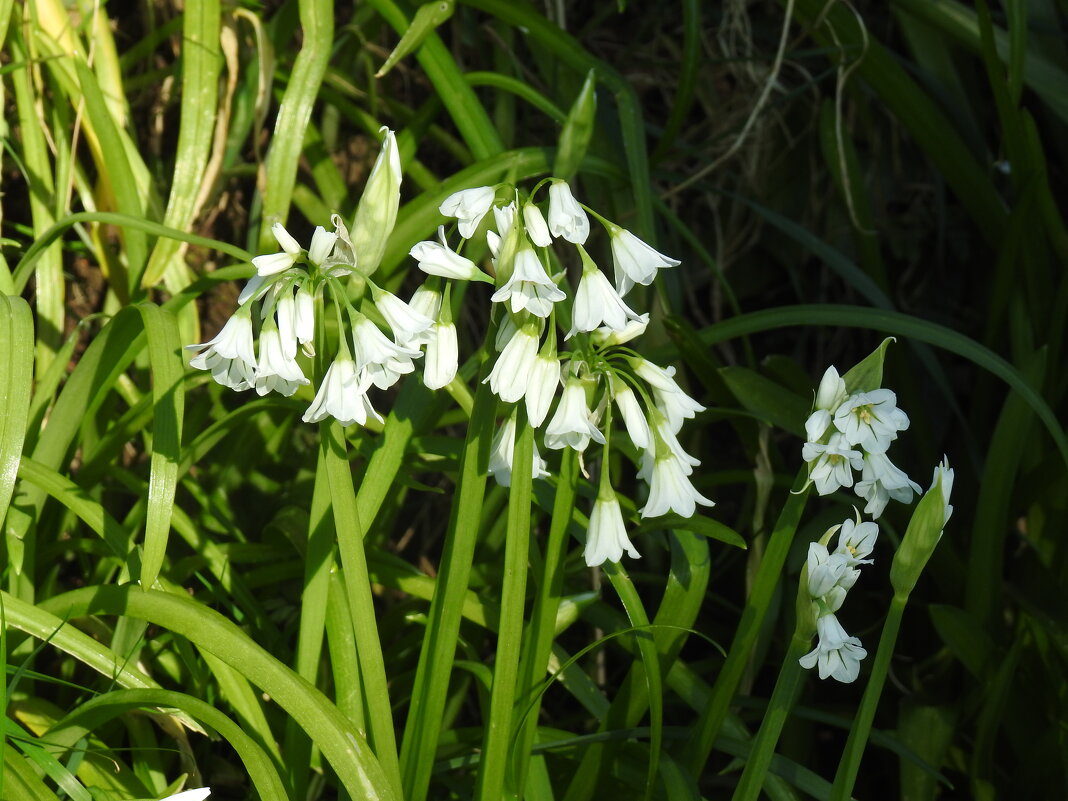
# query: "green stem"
[[498, 734], [361, 604], [791, 678], [543, 618], [756, 608], [849, 765], [443, 624]]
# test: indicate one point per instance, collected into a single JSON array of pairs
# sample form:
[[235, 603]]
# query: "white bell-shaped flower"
[[572, 425], [468, 206], [406, 323], [275, 372], [871, 419], [274, 263], [597, 303], [501, 451], [606, 537], [229, 357], [511, 372], [342, 395], [529, 286], [630, 409], [442, 356], [385, 361], [832, 464], [536, 227], [837, 654], [670, 489], [437, 258], [636, 262], [567, 219], [541, 387]]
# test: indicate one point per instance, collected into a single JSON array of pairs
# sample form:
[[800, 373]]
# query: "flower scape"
[[567, 387]]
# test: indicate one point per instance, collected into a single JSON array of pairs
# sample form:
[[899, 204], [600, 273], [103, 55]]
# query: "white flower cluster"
[[830, 576], [287, 286], [596, 371], [853, 433]]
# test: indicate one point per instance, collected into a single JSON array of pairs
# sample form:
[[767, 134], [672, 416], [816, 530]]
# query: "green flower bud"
[[924, 532], [377, 213]]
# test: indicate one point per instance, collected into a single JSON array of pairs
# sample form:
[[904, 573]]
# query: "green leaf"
[[767, 399], [427, 18], [867, 374]]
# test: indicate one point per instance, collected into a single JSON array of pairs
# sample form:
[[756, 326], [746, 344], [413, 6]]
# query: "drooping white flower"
[[597, 302], [880, 481], [871, 419], [511, 372], [606, 537], [504, 219], [385, 361], [190, 795], [831, 391], [537, 230], [832, 464], [322, 243], [630, 409], [275, 372], [406, 323], [636, 262], [286, 314], [256, 286], [667, 394], [567, 219], [605, 337], [572, 425], [304, 319], [827, 571], [468, 206], [229, 357], [501, 451], [342, 395], [439, 259], [529, 286], [664, 435], [274, 263], [837, 654], [856, 541], [541, 388], [670, 489], [442, 356]]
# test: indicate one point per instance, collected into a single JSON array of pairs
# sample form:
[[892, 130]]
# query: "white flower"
[[321, 244], [856, 541], [596, 301], [636, 262], [826, 571], [871, 419], [468, 206], [438, 259], [229, 357], [529, 286], [286, 314], [831, 465], [633, 417], [831, 391], [406, 323], [442, 356], [665, 434], [541, 387], [304, 320], [837, 654], [605, 337], [817, 424], [190, 795], [342, 395], [504, 219], [278, 262], [255, 288], [501, 451], [944, 473], [667, 394], [670, 489], [572, 425], [275, 372], [384, 360], [566, 217], [537, 230], [512, 370], [606, 537], [880, 481]]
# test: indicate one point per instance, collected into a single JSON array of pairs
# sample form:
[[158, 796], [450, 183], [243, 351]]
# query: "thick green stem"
[[543, 620], [849, 764], [791, 678], [730, 675], [498, 734]]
